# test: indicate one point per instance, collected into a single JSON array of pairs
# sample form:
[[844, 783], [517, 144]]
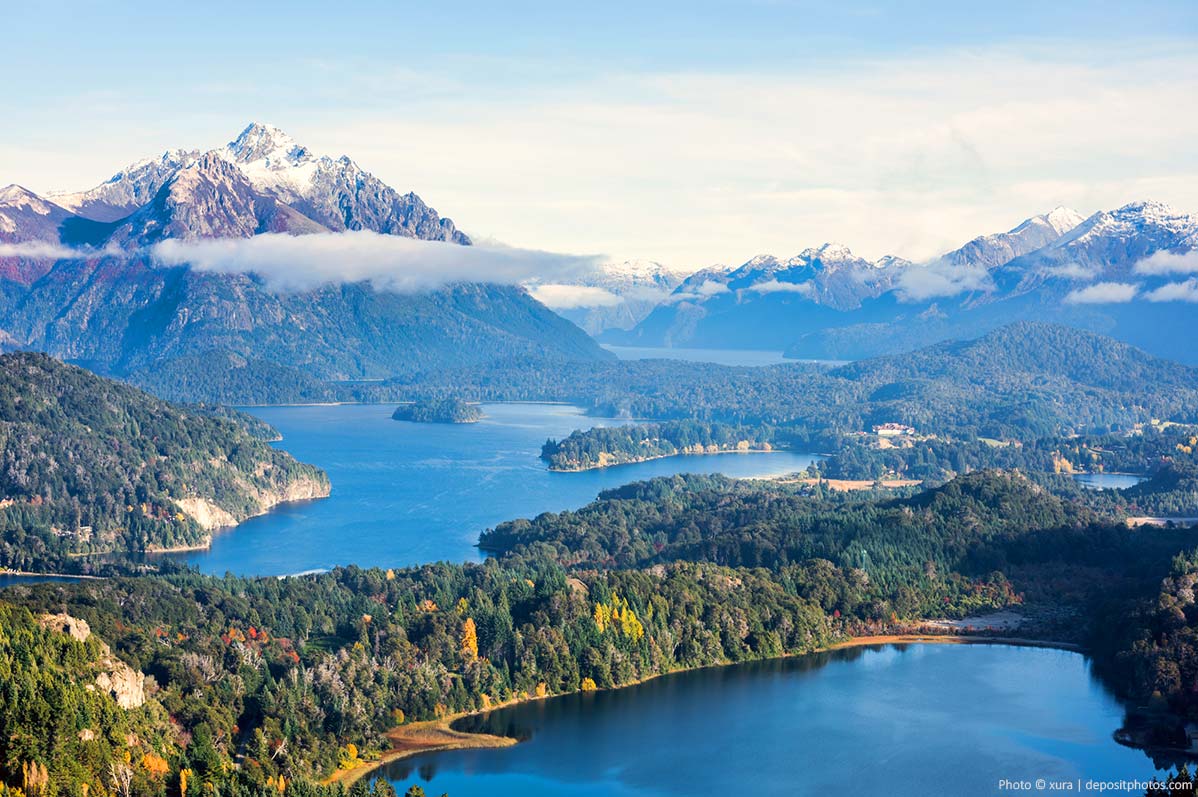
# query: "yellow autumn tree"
[[588, 685], [155, 765], [469, 640]]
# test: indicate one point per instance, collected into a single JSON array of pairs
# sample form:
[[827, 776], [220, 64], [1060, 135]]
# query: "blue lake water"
[[407, 493], [718, 356], [909, 720], [897, 720], [1108, 481]]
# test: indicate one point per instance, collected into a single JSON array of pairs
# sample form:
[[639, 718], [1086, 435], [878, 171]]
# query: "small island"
[[451, 410]]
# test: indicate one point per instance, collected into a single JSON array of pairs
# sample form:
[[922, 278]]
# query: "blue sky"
[[692, 132]]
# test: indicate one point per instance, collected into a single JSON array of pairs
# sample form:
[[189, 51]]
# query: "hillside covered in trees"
[[449, 410], [89, 465], [297, 677]]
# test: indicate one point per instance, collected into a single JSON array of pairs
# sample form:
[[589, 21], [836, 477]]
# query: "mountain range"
[[79, 277], [1128, 272], [615, 295]]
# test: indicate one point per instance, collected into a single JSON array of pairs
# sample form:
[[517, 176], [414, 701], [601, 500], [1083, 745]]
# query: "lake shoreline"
[[433, 736], [656, 457], [28, 574]]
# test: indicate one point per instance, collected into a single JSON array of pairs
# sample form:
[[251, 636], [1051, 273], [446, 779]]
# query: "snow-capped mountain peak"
[[18, 197], [1133, 219], [333, 193], [128, 189], [261, 142], [1061, 219], [830, 252]]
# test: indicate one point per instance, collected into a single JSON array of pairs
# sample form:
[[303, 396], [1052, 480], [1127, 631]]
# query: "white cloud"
[[1071, 270], [774, 286], [1164, 262], [711, 288], [912, 154], [700, 293], [566, 297], [38, 250], [1175, 292], [301, 262], [1103, 293], [939, 279]]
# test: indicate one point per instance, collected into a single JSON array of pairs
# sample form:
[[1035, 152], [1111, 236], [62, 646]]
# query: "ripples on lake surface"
[[896, 720], [407, 493]]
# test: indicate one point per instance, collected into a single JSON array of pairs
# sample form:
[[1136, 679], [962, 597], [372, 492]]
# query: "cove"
[[895, 719], [407, 493]]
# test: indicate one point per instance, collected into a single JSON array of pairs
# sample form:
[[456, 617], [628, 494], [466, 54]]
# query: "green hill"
[[91, 466]]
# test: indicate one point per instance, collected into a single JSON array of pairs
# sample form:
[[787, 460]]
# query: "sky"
[[689, 133]]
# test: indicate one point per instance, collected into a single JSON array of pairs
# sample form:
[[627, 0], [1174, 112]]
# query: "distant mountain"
[[757, 305], [990, 251], [1097, 273], [209, 198], [79, 279], [128, 189], [334, 193], [624, 293]]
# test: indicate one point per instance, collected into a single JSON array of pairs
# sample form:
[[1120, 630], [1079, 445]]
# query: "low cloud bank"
[[569, 297], [39, 250], [1175, 292], [303, 262], [774, 286], [1164, 262], [702, 292], [939, 279], [1103, 293]]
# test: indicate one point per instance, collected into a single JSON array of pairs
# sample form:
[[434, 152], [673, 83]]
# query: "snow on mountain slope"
[[128, 189], [990, 251], [25, 216], [209, 198], [1107, 245], [616, 296], [335, 193]]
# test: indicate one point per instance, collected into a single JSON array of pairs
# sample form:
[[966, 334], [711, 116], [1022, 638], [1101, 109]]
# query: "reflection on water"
[[1108, 481], [900, 715]]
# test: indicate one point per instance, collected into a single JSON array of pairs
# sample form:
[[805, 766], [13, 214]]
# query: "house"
[[893, 430]]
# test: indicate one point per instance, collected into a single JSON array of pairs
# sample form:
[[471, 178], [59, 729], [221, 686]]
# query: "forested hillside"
[[297, 677], [91, 465]]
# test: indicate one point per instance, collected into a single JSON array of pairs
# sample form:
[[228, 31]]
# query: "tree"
[[469, 640]]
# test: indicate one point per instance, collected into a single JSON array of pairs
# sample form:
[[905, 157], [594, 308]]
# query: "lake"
[[718, 356], [407, 493], [1107, 481], [897, 720]]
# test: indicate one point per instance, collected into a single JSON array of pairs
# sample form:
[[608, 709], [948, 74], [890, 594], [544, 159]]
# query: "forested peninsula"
[[93, 466]]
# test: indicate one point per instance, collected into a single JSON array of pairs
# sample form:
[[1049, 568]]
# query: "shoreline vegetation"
[[611, 461], [439, 735], [28, 574], [605, 446], [447, 411]]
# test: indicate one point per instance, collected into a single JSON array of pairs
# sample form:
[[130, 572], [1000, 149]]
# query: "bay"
[[897, 720], [408, 493]]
